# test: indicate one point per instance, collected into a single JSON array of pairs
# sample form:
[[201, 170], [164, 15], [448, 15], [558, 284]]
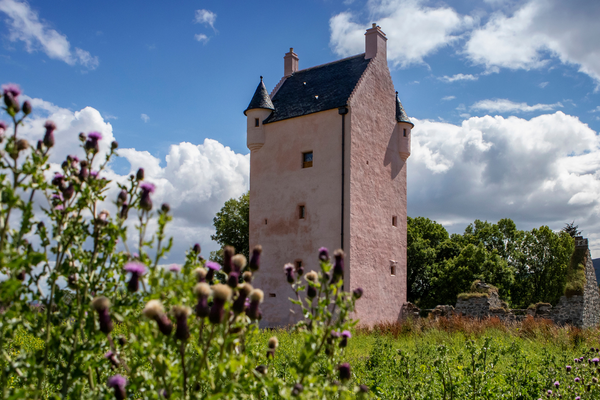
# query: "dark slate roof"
[[261, 98], [400, 113], [317, 89]]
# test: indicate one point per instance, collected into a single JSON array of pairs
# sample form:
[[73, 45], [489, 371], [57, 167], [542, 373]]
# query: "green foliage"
[[576, 279], [232, 226], [471, 295], [124, 327]]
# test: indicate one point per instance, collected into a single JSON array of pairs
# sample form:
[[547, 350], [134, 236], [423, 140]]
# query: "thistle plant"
[[82, 274]]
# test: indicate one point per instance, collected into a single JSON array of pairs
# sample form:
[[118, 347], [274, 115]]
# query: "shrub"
[[576, 279], [125, 326], [472, 295]]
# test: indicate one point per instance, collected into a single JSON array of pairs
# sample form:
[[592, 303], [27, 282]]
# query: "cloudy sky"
[[505, 95]]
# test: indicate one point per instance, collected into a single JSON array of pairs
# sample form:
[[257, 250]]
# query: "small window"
[[394, 221], [301, 212], [272, 295], [257, 123], [307, 159], [393, 270], [404, 131], [265, 221]]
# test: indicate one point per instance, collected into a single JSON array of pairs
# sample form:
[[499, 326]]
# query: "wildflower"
[[49, 135], [363, 389], [233, 279], [240, 302], [92, 142], [228, 252], [247, 276], [289, 271], [200, 274], [344, 370], [298, 388], [202, 291], [69, 191], [145, 201], [549, 392], [124, 210], [112, 357], [165, 207], [181, 313], [114, 145], [255, 258], [175, 268], [154, 310], [239, 262], [122, 198], [357, 293], [196, 249], [595, 361], [82, 136], [338, 265], [323, 254], [311, 277], [59, 207], [140, 174], [11, 103], [577, 380], [345, 336], [221, 294], [26, 107], [22, 144], [11, 88], [256, 297], [556, 384], [137, 269], [272, 344], [101, 305], [117, 382], [83, 173], [568, 368], [212, 268], [299, 269]]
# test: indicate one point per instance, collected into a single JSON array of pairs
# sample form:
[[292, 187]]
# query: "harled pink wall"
[[278, 184], [377, 193]]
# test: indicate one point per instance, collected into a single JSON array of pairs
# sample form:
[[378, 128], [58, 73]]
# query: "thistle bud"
[[256, 297], [196, 249], [101, 305], [255, 258], [200, 274], [83, 173], [202, 291], [239, 262], [344, 371], [324, 254], [338, 266], [154, 310], [212, 268], [114, 145], [82, 137], [68, 191], [124, 210], [136, 269], [11, 103], [247, 276], [228, 252], [140, 174], [165, 207], [22, 144], [233, 279], [182, 330], [145, 201], [117, 382], [26, 107], [221, 294], [357, 293], [345, 336], [289, 272], [298, 388], [240, 302], [122, 198]]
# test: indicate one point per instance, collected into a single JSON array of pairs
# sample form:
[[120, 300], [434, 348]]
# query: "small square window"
[[257, 123], [404, 131], [301, 212], [307, 159], [272, 295], [265, 221], [395, 221], [393, 270]]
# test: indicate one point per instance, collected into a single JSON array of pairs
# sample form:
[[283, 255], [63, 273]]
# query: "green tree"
[[232, 226]]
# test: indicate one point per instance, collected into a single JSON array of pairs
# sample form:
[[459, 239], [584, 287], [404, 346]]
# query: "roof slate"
[[400, 113], [317, 89], [260, 99]]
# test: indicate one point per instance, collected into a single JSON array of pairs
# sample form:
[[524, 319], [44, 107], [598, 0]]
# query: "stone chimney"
[[290, 63], [375, 43]]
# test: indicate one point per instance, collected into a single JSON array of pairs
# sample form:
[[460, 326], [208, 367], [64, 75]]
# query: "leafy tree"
[[571, 229], [232, 226]]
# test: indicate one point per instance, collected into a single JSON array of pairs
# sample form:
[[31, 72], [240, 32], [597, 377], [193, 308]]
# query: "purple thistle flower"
[[137, 269], [256, 297], [196, 249], [94, 174], [556, 384], [118, 382], [568, 368], [228, 252], [95, 136], [344, 370], [338, 266], [549, 392], [595, 361], [83, 173], [145, 201], [182, 330], [110, 356], [577, 380], [578, 398], [58, 180], [11, 88], [49, 135], [345, 336], [147, 187], [101, 305], [68, 192], [174, 268], [11, 102], [221, 294], [289, 272], [124, 210], [59, 207], [212, 268], [233, 279], [202, 291], [122, 197], [240, 302], [255, 258], [92, 141], [323, 254]]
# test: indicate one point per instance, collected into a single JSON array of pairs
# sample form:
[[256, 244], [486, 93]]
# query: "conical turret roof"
[[260, 99], [400, 113]]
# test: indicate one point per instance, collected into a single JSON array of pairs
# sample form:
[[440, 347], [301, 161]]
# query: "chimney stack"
[[290, 63], [375, 43]]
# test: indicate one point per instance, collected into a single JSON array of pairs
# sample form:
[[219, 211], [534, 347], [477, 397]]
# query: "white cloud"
[[541, 171], [201, 37], [538, 30], [595, 110], [543, 84], [195, 180], [413, 29], [447, 98], [145, 118], [24, 25], [505, 105], [458, 77], [206, 17]]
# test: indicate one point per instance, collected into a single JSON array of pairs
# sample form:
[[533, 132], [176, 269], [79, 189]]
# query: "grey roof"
[[320, 88], [260, 99], [400, 113]]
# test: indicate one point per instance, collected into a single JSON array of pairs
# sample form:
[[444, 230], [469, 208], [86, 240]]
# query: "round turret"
[[258, 110], [404, 127]]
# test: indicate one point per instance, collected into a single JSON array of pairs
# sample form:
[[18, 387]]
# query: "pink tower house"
[[328, 168]]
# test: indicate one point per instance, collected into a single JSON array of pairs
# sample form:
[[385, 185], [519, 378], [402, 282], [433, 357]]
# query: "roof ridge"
[[277, 87], [362, 77], [332, 62]]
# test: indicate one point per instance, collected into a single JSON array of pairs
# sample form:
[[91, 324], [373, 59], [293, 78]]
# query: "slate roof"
[[261, 98], [400, 113], [320, 88]]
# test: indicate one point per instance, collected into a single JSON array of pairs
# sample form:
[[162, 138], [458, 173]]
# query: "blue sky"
[[506, 102]]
